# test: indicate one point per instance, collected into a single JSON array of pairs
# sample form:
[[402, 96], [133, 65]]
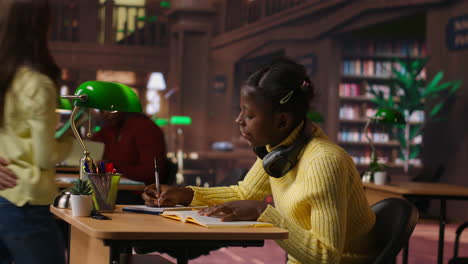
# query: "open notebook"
[[208, 221], [157, 210]]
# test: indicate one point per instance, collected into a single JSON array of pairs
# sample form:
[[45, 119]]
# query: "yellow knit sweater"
[[320, 202]]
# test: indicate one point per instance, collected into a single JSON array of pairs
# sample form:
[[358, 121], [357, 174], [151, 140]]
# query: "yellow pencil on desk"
[[156, 179]]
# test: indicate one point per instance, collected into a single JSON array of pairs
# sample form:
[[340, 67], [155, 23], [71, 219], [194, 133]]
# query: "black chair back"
[[396, 219]]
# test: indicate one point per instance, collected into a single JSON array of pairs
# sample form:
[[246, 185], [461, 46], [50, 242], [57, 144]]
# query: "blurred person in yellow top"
[[28, 98], [317, 191]]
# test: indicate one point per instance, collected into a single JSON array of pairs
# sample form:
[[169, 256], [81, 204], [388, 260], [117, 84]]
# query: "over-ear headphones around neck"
[[282, 159]]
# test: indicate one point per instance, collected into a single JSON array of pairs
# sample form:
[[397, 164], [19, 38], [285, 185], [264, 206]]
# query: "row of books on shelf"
[[399, 163], [363, 89], [355, 111], [356, 135], [390, 159], [360, 158], [350, 112], [409, 47], [373, 68]]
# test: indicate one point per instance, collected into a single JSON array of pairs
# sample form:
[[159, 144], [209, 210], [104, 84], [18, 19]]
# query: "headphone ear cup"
[[277, 162], [282, 159]]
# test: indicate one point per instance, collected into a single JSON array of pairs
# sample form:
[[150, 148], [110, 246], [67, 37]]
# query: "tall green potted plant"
[[410, 93]]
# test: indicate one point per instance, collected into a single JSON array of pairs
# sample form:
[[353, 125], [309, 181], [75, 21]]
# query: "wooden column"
[[189, 75]]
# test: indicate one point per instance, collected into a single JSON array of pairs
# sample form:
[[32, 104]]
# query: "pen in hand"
[[156, 180]]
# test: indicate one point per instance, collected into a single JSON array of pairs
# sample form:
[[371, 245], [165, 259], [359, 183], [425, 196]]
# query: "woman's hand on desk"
[[170, 196], [7, 176], [244, 210]]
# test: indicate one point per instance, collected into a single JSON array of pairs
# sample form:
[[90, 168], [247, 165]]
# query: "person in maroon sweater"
[[131, 142]]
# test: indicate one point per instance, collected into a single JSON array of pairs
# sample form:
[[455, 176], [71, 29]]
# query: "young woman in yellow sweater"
[[319, 199]]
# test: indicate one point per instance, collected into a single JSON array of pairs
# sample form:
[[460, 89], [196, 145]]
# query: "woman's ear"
[[285, 121]]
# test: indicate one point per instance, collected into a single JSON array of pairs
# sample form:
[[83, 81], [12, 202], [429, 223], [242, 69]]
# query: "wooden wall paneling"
[[219, 118], [446, 142], [322, 18], [115, 57], [194, 85], [330, 74], [88, 19], [221, 114], [381, 16], [275, 21]]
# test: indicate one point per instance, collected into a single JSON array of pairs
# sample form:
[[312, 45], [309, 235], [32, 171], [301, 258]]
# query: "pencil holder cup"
[[105, 188]]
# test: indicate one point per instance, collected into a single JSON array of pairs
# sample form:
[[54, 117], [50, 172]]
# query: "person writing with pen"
[[317, 191]]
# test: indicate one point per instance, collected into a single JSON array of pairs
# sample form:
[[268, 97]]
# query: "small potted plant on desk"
[[376, 172], [81, 199]]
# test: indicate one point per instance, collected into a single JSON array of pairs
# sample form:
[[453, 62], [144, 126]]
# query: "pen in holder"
[[105, 188]]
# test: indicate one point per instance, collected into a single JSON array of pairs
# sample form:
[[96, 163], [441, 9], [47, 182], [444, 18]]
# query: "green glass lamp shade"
[[108, 96], [64, 104], [389, 116], [160, 122], [180, 120], [165, 4]]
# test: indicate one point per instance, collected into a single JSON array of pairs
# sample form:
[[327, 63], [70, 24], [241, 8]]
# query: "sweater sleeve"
[[323, 241], [255, 186]]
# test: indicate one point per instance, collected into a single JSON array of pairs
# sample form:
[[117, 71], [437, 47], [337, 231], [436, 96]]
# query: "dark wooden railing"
[[65, 21], [107, 23], [132, 26], [241, 13]]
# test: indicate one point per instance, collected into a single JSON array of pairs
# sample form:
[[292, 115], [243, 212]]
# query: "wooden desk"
[[101, 241], [67, 169], [410, 190], [123, 187]]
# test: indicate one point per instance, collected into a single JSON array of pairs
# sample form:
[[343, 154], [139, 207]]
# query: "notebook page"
[[208, 221]]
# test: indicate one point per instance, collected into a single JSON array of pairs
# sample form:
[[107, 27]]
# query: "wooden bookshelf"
[[367, 64], [363, 120], [391, 143]]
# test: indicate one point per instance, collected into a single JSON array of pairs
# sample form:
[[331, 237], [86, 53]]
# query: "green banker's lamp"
[[108, 96], [161, 122], [386, 116]]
